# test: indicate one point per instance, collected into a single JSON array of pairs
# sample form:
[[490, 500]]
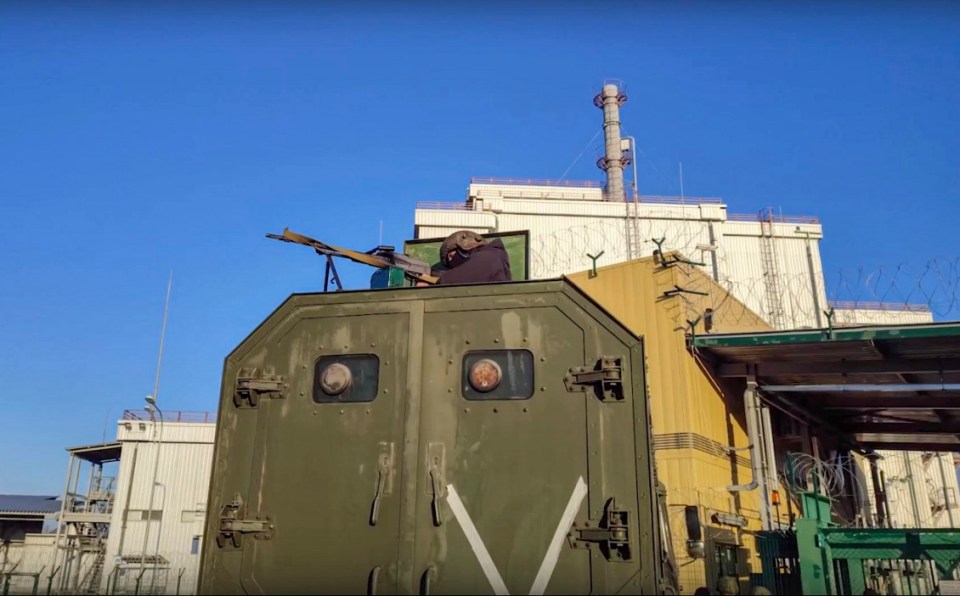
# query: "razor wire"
[[903, 293]]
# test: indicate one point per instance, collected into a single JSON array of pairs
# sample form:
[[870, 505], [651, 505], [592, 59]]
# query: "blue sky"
[[140, 139]]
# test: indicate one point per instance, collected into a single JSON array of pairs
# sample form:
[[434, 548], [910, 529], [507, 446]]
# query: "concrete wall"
[[32, 555]]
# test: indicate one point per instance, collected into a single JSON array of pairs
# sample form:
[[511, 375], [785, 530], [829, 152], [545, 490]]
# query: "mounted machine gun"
[[385, 258]]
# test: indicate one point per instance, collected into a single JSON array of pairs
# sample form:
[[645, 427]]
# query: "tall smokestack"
[[610, 100]]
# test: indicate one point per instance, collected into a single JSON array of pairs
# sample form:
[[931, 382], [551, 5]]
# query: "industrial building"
[[713, 293], [729, 272], [116, 535]]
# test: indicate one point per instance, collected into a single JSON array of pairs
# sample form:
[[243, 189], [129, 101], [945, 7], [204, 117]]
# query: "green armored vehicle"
[[442, 440]]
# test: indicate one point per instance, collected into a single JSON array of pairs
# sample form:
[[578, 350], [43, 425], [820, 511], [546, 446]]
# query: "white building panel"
[[174, 530], [775, 277], [850, 314]]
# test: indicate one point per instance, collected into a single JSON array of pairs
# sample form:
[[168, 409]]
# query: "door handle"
[[384, 477], [435, 502], [373, 580], [435, 462], [429, 575]]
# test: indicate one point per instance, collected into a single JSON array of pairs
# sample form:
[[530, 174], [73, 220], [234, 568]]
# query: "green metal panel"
[[478, 489], [820, 335], [517, 245], [836, 560]]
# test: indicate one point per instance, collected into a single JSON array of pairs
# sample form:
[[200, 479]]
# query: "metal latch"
[[611, 534], [605, 377], [233, 525], [254, 384]]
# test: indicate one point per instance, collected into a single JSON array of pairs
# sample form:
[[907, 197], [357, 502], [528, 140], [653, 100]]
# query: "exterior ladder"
[[771, 277]]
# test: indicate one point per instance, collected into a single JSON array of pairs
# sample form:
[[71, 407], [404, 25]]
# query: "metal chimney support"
[[613, 162]]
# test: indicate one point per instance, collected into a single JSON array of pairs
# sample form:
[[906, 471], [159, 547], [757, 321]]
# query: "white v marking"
[[549, 559]]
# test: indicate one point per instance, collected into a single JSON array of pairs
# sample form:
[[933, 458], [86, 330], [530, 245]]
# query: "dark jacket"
[[486, 264]]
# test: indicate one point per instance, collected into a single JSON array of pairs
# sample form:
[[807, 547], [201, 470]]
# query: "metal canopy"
[[887, 387], [97, 454]]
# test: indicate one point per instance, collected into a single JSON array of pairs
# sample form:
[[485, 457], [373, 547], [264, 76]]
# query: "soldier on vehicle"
[[467, 258]]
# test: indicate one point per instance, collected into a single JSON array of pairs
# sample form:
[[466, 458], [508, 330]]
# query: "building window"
[[144, 514], [195, 546]]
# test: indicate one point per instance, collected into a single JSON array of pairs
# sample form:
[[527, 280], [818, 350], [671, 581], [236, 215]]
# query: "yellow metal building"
[[695, 421]]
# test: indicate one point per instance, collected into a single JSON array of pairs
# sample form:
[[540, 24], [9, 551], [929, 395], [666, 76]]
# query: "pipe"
[[750, 411], [946, 493], [156, 464], [126, 502], [713, 253], [770, 457], [877, 491], [863, 388], [813, 283], [610, 100], [915, 506]]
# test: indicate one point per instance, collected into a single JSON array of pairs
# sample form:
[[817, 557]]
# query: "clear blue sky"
[[140, 138]]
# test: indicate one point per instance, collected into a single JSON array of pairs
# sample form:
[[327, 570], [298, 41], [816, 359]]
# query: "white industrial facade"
[[769, 261], [182, 452]]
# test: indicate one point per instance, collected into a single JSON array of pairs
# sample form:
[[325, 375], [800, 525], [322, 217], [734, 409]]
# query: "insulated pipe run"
[[770, 456], [750, 411]]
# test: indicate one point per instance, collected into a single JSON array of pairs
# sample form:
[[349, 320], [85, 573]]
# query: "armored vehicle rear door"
[[532, 420], [324, 473]]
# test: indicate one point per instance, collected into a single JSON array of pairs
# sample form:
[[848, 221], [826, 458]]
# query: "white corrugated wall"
[[564, 233], [183, 480]]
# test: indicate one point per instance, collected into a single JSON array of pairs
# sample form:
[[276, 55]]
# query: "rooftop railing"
[[890, 306], [172, 416], [792, 219], [538, 182]]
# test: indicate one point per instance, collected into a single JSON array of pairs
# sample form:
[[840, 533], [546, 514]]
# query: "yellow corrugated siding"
[[683, 398]]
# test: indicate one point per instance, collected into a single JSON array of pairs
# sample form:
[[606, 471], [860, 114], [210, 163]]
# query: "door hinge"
[[611, 534], [605, 377], [254, 384], [233, 525]]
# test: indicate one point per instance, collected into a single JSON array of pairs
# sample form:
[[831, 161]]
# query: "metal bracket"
[[605, 377], [252, 384], [611, 534], [233, 525]]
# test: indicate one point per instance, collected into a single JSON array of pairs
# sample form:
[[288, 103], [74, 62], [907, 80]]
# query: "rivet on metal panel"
[[386, 363], [466, 410], [341, 412], [301, 394], [495, 410], [346, 347], [304, 367], [368, 410], [386, 391], [321, 346], [449, 390], [525, 340], [450, 361], [314, 412], [543, 389], [467, 342], [373, 345], [496, 340], [526, 410], [543, 359]]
